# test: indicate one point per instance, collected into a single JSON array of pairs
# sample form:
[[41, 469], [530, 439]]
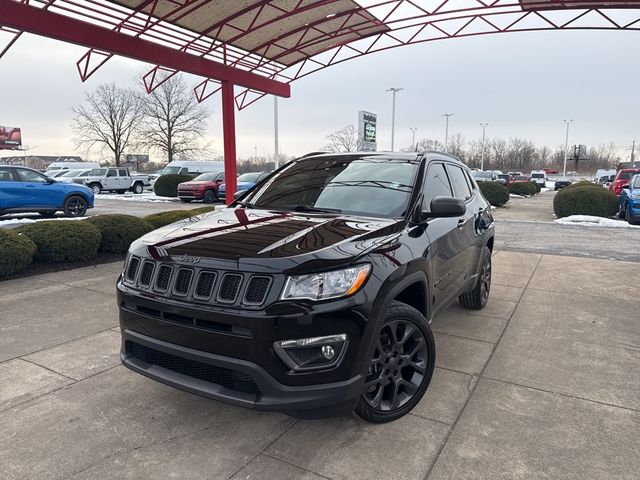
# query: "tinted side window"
[[31, 176], [123, 172], [436, 184], [458, 180], [470, 180], [112, 172], [5, 175]]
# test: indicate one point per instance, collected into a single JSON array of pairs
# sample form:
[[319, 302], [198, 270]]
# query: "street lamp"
[[393, 113], [566, 146], [446, 130], [413, 138], [484, 127]]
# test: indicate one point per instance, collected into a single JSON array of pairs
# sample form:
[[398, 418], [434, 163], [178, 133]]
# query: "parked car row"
[[209, 187], [630, 201]]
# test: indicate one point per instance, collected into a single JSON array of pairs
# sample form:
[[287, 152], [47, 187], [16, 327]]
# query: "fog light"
[[312, 353], [328, 352]]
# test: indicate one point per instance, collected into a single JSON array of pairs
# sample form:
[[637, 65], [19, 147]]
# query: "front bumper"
[[246, 384], [190, 194]]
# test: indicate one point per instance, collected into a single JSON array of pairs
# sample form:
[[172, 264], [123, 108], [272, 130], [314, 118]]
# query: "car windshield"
[[627, 175], [480, 174], [249, 177], [98, 172], [171, 170], [372, 186], [635, 182], [72, 173], [537, 175], [206, 177]]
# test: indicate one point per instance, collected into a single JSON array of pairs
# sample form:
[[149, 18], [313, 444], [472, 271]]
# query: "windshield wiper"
[[309, 208], [245, 204]]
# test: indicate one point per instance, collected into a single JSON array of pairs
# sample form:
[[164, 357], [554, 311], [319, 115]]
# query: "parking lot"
[[543, 383]]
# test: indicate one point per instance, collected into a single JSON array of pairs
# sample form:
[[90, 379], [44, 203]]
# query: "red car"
[[550, 171], [622, 178], [203, 187], [520, 179]]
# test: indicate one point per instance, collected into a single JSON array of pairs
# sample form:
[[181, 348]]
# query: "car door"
[[441, 234], [124, 181], [111, 180], [40, 191], [12, 191]]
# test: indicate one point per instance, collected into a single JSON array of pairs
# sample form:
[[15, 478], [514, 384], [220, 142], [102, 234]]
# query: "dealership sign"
[[137, 158], [10, 138], [367, 124]]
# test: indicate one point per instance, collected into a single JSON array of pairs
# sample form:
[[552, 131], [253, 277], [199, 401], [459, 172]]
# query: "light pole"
[[484, 127], [566, 146], [393, 113], [446, 130], [413, 138]]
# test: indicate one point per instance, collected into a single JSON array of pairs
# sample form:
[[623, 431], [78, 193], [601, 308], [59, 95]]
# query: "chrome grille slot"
[[183, 281], [257, 290], [229, 287], [132, 270], [146, 274], [204, 285], [163, 278]]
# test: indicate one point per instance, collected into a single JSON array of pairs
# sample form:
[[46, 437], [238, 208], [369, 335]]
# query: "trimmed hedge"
[[201, 210], [522, 188], [167, 185], [63, 241], [119, 231], [16, 252], [495, 193], [537, 186], [585, 200], [165, 218], [584, 183]]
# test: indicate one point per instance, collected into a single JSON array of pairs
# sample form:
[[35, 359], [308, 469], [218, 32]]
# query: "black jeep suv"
[[312, 294]]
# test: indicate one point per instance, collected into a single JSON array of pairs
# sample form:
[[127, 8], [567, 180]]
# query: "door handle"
[[30, 186], [461, 222]]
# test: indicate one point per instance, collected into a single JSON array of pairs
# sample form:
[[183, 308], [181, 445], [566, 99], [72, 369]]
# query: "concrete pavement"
[[543, 383]]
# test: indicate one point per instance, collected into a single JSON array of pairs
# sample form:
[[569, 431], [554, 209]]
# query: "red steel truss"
[[262, 46]]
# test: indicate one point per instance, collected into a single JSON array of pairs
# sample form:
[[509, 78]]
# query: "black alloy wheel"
[[477, 298], [401, 367], [210, 196], [75, 206]]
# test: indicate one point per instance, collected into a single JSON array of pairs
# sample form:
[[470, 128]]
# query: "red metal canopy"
[[264, 45]]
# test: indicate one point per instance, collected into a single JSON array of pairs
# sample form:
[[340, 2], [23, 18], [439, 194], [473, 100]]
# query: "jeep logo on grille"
[[189, 259]]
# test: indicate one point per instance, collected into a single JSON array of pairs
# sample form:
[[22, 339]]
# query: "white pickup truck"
[[118, 180]]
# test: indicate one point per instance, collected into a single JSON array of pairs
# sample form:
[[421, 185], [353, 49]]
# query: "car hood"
[[268, 240], [196, 184]]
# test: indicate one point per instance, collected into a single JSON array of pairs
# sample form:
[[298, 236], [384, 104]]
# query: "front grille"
[[146, 273], [198, 284], [164, 277], [183, 280], [204, 287], [227, 378], [132, 271], [257, 290], [229, 288]]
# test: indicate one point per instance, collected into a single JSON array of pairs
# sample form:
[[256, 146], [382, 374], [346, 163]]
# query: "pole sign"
[[367, 129], [580, 152], [137, 158], [10, 138]]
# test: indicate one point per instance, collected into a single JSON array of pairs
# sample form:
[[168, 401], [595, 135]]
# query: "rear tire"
[[210, 196], [401, 367], [477, 298], [137, 188], [75, 206]]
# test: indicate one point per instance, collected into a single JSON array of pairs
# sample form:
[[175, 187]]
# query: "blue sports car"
[[630, 201], [245, 182], [25, 190]]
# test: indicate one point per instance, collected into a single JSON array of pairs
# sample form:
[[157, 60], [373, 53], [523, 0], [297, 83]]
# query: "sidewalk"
[[543, 383]]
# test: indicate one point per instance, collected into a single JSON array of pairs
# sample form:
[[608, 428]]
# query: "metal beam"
[[61, 27], [229, 133]]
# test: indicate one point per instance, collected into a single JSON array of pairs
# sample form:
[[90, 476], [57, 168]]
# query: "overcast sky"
[[521, 84]]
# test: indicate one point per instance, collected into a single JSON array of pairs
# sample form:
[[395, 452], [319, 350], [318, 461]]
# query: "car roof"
[[393, 156]]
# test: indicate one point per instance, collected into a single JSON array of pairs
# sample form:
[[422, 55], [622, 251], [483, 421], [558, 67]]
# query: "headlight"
[[321, 286]]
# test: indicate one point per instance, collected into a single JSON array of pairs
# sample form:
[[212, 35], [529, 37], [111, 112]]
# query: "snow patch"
[[591, 221], [6, 221], [513, 195], [132, 197]]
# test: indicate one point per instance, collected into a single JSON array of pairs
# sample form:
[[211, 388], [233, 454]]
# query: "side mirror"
[[626, 186], [445, 207]]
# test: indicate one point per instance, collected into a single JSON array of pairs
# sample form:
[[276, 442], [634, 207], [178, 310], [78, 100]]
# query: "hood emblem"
[[189, 259]]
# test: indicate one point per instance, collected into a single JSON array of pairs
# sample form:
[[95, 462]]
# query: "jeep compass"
[[312, 294]]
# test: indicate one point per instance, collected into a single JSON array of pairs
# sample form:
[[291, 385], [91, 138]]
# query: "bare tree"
[[109, 119], [542, 155], [457, 145], [343, 140], [174, 122], [499, 153], [428, 144]]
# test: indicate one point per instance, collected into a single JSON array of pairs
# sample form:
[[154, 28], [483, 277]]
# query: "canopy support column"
[[229, 133]]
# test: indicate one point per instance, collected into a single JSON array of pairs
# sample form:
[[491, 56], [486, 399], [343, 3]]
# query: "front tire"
[[75, 206], [629, 219], [210, 196], [401, 367], [96, 188], [477, 298], [138, 188], [622, 214]]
